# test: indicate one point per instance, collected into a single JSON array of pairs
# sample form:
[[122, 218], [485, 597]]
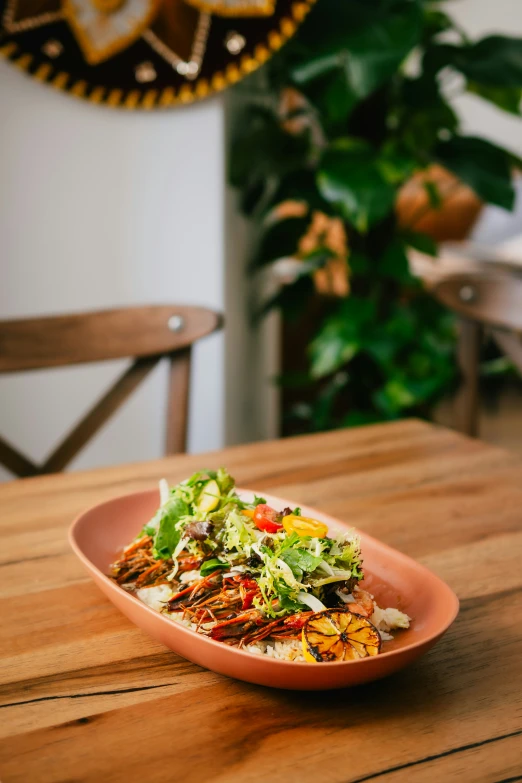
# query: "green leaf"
[[350, 178], [433, 194], [298, 186], [360, 418], [495, 61], [368, 41], [395, 166], [360, 264], [506, 98], [333, 98], [394, 263], [225, 481], [421, 242], [309, 70], [212, 565], [300, 561], [279, 239], [481, 165], [340, 337], [324, 404], [421, 114], [436, 22], [382, 347], [291, 299], [261, 150], [393, 397], [168, 536], [330, 350]]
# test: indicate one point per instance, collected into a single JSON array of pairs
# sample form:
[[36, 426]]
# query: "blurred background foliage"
[[333, 136]]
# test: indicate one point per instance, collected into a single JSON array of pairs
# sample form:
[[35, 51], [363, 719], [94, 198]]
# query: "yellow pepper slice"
[[248, 512], [304, 526]]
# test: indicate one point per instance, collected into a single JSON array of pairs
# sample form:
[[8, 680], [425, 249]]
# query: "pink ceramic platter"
[[98, 535]]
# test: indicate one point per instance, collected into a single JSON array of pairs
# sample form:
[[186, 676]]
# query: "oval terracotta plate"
[[100, 533]]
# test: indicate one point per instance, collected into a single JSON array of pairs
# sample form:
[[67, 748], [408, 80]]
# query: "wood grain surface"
[[87, 696]]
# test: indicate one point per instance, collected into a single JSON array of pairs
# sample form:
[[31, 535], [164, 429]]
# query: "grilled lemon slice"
[[339, 635]]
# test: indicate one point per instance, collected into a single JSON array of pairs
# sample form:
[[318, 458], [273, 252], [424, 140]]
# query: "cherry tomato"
[[265, 518]]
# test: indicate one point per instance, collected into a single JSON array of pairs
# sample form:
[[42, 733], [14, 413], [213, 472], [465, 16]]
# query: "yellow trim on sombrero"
[[60, 80], [267, 9], [114, 97], [202, 88], [186, 93], [79, 88], [24, 62], [218, 82], [97, 95], [261, 54], [167, 97], [43, 72], [247, 64], [149, 99], [8, 49], [134, 99]]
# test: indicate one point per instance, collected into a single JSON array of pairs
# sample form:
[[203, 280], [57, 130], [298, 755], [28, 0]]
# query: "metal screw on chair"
[[176, 323], [468, 293]]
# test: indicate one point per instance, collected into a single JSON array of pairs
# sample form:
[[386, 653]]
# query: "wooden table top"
[[87, 696]]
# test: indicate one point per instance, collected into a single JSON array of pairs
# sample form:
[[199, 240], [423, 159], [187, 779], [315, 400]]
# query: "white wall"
[[102, 208], [480, 18]]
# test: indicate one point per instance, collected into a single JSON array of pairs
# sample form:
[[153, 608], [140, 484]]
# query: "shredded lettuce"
[[238, 533], [291, 571]]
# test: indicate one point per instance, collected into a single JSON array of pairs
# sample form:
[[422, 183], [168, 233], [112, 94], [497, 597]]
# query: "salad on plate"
[[270, 581]]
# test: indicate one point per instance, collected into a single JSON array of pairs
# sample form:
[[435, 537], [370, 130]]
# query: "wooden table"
[[87, 696]]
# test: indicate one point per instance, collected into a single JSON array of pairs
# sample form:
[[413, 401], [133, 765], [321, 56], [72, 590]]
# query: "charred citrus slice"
[[339, 635]]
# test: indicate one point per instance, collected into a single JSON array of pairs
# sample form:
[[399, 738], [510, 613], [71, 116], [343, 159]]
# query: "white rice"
[[155, 597], [287, 650], [385, 620]]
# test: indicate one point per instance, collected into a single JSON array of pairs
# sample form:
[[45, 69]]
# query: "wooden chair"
[[146, 334], [487, 297]]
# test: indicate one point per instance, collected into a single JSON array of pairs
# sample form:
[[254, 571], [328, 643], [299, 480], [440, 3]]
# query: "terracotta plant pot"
[[453, 220]]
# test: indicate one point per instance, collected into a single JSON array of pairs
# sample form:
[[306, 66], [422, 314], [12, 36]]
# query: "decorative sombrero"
[[144, 53]]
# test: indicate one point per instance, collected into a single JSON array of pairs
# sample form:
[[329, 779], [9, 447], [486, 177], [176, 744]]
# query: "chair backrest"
[[146, 334], [489, 298], [492, 297]]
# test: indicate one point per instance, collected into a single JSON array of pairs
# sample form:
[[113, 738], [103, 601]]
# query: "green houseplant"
[[331, 130]]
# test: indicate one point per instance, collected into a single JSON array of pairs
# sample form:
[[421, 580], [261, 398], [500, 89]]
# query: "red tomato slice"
[[265, 518]]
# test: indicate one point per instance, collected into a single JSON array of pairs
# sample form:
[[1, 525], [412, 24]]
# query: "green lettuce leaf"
[[300, 561], [225, 481], [167, 536], [350, 558], [211, 565]]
